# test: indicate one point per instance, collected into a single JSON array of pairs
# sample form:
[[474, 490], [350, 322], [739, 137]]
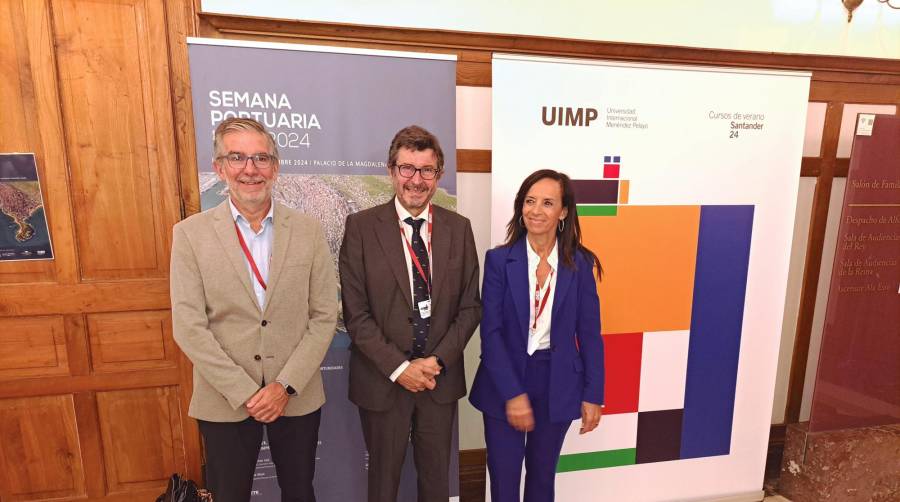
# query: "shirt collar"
[[402, 213], [534, 259], [238, 217]]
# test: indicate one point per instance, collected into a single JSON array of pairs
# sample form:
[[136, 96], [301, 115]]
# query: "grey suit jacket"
[[377, 303], [233, 344]]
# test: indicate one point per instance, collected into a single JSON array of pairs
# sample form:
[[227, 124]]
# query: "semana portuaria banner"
[[686, 183], [332, 112]]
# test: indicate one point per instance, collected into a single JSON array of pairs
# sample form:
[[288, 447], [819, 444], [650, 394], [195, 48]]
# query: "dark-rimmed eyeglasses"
[[409, 170], [236, 160]]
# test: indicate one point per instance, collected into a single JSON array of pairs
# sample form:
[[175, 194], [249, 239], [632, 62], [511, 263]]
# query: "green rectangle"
[[597, 210], [595, 460]]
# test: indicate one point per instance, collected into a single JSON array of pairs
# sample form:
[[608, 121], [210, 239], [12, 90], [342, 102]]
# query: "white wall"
[[473, 131], [786, 26], [474, 202]]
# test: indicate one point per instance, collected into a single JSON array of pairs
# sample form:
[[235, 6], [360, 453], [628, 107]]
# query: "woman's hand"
[[518, 413], [590, 416]]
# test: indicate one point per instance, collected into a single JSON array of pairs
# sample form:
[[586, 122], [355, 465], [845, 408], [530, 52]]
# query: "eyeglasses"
[[409, 170], [239, 160]]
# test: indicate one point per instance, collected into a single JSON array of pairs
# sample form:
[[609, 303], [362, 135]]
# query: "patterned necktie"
[[420, 288]]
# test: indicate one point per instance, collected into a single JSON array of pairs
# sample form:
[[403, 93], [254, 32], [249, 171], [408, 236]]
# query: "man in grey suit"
[[409, 284], [254, 307]]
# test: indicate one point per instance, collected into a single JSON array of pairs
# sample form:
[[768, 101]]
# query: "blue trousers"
[[540, 448]]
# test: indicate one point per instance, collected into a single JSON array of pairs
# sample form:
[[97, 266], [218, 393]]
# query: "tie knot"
[[416, 223]]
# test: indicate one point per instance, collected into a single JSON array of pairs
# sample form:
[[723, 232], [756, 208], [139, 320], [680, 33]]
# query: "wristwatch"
[[287, 388]]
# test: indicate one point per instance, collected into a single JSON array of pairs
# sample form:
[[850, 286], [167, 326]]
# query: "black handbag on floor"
[[183, 490]]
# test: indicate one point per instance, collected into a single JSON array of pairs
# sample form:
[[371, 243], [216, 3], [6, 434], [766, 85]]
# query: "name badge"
[[425, 308]]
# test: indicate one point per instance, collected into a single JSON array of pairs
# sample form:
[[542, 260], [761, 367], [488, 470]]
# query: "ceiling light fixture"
[[851, 5]]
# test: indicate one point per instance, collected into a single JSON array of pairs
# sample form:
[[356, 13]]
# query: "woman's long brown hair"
[[569, 240]]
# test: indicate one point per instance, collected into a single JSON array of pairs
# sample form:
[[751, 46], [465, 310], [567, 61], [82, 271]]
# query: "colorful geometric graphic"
[[672, 306]]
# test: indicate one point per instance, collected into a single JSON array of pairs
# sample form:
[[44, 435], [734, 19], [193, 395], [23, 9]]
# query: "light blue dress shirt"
[[260, 246]]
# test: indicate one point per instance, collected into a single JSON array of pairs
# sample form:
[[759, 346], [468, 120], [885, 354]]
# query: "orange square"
[[648, 255]]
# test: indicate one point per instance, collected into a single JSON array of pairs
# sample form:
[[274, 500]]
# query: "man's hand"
[[518, 413], [419, 374], [430, 366], [268, 403], [590, 416]]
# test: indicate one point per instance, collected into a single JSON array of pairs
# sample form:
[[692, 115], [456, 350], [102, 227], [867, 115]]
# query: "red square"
[[622, 356], [610, 170]]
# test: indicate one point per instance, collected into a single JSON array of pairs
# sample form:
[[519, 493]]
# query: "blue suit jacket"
[[576, 372]]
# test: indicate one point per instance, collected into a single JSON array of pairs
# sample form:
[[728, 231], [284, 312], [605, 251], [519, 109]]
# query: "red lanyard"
[[412, 253], [538, 303], [249, 257]]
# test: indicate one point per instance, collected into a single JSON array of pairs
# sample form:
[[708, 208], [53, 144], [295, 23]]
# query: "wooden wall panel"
[[20, 132], [31, 123], [182, 23], [40, 456], [473, 161], [131, 341], [142, 440], [89, 383], [87, 358], [113, 63], [13, 48], [28, 299], [32, 347]]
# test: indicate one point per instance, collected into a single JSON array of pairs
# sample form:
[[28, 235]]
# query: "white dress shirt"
[[260, 246], [402, 214], [539, 338]]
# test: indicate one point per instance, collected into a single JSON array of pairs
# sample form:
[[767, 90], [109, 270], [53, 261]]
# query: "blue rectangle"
[[720, 284], [616, 159], [606, 158]]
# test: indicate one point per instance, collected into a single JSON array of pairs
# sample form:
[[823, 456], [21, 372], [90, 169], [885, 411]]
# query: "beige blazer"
[[233, 344]]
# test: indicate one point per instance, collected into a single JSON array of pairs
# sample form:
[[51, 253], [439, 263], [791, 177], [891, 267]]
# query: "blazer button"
[[257, 357], [265, 323]]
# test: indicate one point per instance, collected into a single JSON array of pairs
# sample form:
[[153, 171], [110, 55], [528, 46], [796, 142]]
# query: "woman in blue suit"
[[541, 351]]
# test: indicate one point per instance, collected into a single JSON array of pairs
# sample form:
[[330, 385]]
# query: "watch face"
[[287, 388]]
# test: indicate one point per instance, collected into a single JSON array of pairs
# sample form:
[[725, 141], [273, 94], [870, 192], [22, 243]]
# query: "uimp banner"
[[686, 182], [332, 112]]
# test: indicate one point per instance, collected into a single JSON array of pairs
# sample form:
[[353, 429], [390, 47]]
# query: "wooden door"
[[93, 391]]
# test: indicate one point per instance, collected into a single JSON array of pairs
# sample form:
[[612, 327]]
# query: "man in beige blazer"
[[254, 306], [409, 282]]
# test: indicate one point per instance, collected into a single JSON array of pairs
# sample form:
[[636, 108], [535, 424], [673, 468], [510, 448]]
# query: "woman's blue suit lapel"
[[517, 278], [564, 279]]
